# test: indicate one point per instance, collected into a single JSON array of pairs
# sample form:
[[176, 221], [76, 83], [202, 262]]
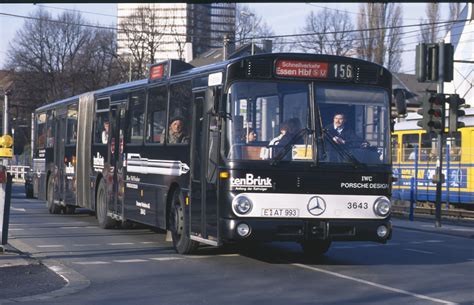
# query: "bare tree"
[[50, 51], [249, 25], [379, 34], [394, 41], [144, 30], [331, 33], [454, 11], [100, 62], [54, 58], [431, 31]]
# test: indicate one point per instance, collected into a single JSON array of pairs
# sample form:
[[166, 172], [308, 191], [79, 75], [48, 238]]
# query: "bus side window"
[[41, 133], [72, 124], [156, 115], [180, 110], [137, 124], [408, 146], [50, 132], [101, 119]]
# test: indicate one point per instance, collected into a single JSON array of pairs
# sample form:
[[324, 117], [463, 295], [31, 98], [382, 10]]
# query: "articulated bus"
[[414, 162], [115, 151]]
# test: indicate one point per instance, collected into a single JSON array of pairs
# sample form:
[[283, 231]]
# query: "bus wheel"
[[178, 224], [52, 207], [69, 209], [105, 222], [315, 248]]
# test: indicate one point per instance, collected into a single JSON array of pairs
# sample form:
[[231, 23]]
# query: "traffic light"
[[427, 62], [432, 112], [455, 102]]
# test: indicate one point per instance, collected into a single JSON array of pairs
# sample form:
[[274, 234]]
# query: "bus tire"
[[53, 208], [178, 223], [315, 248], [105, 222]]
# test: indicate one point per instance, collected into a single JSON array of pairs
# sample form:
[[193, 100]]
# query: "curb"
[[74, 280]]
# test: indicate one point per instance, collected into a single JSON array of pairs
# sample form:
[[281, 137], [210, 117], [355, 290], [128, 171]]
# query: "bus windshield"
[[355, 124], [280, 121]]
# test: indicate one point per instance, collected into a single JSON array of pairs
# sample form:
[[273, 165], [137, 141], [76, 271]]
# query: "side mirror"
[[213, 100], [400, 102]]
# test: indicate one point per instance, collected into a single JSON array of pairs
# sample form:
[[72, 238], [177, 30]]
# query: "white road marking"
[[18, 209], [137, 260], [15, 229], [50, 246], [119, 244], [149, 242], [92, 263], [165, 258], [200, 256], [416, 295], [419, 251], [85, 245], [229, 255], [434, 241], [64, 223], [69, 228], [463, 230]]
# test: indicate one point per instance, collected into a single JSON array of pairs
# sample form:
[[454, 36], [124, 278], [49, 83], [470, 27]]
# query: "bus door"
[[204, 150], [116, 156], [59, 147]]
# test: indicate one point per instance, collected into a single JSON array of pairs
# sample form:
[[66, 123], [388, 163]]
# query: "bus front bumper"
[[305, 229]]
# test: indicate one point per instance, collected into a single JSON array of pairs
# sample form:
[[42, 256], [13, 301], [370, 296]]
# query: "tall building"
[[174, 30]]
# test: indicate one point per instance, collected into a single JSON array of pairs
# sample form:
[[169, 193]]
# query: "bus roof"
[[209, 68]]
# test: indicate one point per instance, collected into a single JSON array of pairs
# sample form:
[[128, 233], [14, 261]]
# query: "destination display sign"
[[313, 69]]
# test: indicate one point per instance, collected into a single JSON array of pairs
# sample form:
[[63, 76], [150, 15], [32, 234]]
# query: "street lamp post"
[[5, 111], [248, 14]]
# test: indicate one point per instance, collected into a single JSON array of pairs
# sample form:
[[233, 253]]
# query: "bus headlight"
[[382, 206], [243, 229], [242, 205]]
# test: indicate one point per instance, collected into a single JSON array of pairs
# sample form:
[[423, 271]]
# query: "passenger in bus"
[[343, 135], [249, 135], [455, 153], [105, 133], [288, 130], [176, 132]]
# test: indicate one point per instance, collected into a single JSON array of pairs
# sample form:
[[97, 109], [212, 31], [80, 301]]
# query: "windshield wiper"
[[288, 145], [341, 149]]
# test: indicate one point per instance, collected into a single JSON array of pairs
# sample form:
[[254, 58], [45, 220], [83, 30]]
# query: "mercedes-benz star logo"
[[316, 206]]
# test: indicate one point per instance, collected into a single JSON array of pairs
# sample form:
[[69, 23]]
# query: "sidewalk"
[[21, 276], [25, 278], [460, 228]]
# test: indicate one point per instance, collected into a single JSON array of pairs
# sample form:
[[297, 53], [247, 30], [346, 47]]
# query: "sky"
[[284, 18]]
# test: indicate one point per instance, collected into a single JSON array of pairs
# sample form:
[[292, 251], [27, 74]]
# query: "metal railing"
[[18, 172]]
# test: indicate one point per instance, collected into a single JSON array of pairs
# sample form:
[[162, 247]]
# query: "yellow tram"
[[414, 154]]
